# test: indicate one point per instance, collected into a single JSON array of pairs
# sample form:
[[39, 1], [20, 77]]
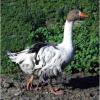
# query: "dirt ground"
[[77, 87]]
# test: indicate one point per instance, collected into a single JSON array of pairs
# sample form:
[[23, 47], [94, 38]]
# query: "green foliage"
[[25, 22]]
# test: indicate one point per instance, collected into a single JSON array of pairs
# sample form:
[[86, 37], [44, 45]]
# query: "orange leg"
[[29, 83], [54, 90]]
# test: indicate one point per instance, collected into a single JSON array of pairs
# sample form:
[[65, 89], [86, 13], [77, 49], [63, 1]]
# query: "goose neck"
[[67, 39]]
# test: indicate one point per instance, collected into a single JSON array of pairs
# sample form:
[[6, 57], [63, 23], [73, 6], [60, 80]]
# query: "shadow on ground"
[[84, 82]]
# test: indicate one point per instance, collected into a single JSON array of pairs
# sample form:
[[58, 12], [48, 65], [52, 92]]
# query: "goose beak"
[[83, 15]]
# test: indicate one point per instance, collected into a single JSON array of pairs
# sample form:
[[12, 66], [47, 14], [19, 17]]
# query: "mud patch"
[[79, 87]]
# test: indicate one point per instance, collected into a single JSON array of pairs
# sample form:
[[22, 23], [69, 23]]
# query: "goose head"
[[76, 15]]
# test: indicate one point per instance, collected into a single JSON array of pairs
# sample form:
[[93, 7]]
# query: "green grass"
[[24, 22]]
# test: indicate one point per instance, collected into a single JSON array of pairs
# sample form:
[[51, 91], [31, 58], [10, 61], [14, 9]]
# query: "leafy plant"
[[28, 21]]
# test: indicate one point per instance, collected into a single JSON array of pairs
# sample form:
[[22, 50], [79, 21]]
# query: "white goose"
[[46, 60]]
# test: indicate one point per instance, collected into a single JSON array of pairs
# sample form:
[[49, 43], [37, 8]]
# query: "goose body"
[[46, 60]]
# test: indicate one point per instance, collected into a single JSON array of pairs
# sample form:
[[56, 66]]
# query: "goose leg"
[[55, 90], [29, 83]]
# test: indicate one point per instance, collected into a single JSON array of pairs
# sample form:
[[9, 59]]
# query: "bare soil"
[[77, 87]]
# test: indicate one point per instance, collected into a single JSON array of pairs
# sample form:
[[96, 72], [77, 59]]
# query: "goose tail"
[[12, 56]]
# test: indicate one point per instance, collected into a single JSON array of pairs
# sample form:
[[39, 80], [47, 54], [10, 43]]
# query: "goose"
[[46, 60]]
